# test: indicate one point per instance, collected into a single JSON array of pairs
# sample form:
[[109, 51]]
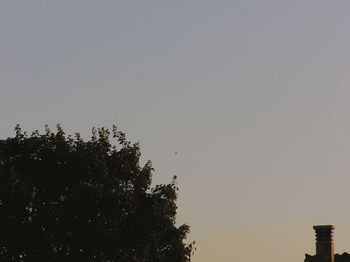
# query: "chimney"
[[324, 243]]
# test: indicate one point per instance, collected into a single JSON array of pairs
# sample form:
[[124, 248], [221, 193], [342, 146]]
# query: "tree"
[[66, 199]]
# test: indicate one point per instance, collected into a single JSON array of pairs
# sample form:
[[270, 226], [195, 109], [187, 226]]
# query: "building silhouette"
[[325, 247]]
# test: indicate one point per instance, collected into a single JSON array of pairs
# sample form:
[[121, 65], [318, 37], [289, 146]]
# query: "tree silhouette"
[[66, 199]]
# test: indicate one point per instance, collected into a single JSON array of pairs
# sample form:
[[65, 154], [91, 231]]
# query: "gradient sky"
[[252, 95]]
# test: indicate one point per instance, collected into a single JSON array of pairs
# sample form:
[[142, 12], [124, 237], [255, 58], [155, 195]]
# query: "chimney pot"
[[324, 243]]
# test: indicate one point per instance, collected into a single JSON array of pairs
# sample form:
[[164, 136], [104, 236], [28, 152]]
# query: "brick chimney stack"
[[324, 243]]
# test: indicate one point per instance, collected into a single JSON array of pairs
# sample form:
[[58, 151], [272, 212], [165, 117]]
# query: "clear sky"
[[252, 95]]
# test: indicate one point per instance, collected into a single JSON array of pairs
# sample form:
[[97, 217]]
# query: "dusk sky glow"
[[252, 95]]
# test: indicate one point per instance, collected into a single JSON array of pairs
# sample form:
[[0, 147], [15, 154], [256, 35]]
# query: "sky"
[[246, 102]]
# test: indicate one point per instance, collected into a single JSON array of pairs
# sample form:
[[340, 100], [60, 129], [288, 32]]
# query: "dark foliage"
[[66, 199]]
